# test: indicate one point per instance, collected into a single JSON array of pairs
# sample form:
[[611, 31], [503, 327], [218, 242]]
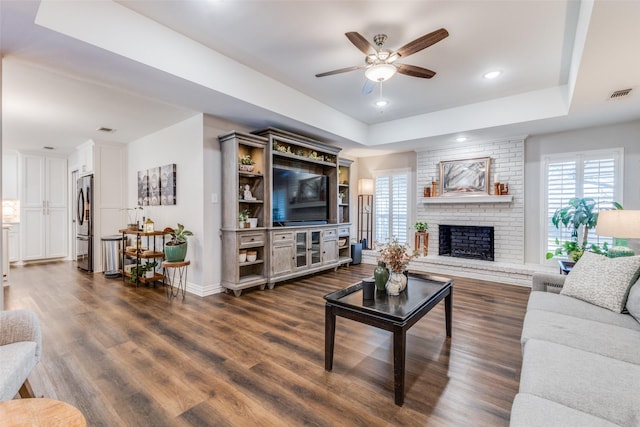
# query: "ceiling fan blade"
[[367, 88], [341, 70], [422, 42], [415, 71], [361, 43]]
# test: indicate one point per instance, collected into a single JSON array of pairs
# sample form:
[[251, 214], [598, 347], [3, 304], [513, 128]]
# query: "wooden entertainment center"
[[297, 193]]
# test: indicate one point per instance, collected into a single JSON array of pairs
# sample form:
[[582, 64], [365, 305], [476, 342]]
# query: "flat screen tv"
[[299, 198]]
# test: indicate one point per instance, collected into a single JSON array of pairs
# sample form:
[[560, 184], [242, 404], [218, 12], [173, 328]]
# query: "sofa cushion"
[[16, 362], [597, 385], [602, 281], [570, 306], [533, 411], [633, 301], [588, 335]]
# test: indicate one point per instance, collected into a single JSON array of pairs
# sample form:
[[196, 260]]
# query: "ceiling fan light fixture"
[[380, 72]]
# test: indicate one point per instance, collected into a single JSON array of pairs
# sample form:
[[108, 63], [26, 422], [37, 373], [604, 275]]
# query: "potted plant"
[[150, 269], [243, 219], [246, 163], [421, 242], [579, 215], [175, 250]]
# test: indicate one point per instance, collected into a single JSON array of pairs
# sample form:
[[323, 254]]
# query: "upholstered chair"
[[20, 347]]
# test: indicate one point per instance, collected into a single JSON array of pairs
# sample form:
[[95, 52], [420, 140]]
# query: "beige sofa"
[[20, 347]]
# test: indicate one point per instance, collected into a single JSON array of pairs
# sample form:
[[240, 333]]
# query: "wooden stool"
[[172, 285], [40, 412]]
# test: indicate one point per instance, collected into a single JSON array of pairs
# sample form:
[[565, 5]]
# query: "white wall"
[[626, 135], [193, 146], [180, 144]]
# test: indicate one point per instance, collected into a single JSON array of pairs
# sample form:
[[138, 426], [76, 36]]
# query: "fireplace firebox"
[[465, 241]]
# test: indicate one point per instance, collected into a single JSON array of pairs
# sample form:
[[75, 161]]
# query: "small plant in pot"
[[246, 163], [175, 250], [243, 219]]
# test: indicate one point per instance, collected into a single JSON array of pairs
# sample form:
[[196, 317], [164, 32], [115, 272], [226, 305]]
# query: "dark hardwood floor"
[[126, 356]]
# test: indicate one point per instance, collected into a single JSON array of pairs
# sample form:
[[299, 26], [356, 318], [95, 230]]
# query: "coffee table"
[[40, 412], [391, 313]]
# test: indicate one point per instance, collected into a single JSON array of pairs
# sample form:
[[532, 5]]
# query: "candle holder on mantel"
[[500, 189], [427, 192], [433, 188]]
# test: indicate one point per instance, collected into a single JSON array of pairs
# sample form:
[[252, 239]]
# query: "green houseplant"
[[142, 270], [246, 163], [579, 215], [175, 250], [421, 226]]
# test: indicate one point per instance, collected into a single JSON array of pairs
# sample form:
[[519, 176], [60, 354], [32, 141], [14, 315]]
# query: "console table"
[[391, 313]]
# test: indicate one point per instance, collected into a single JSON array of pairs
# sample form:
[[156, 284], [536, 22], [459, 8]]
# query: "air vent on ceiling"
[[620, 93], [105, 129]]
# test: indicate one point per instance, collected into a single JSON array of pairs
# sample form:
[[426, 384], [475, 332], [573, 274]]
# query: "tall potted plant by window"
[[176, 249], [579, 215], [422, 238]]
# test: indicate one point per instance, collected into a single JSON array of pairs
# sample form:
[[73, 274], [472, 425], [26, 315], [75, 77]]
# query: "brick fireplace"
[[466, 241]]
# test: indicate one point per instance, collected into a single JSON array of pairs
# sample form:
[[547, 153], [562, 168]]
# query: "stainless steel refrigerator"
[[84, 223]]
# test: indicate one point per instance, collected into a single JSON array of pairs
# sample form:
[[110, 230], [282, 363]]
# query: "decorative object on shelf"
[[421, 243], [434, 187], [253, 222], [579, 215], [381, 276], [242, 256], [252, 256], [397, 257], [426, 192], [621, 225], [365, 201], [342, 242], [157, 186], [148, 226], [243, 219], [245, 163], [176, 249], [132, 213], [465, 177], [146, 270], [499, 188], [246, 195]]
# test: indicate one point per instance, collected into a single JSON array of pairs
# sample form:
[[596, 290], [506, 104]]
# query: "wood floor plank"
[[128, 356]]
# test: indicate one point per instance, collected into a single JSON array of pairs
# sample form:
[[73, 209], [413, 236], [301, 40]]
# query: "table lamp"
[[622, 223]]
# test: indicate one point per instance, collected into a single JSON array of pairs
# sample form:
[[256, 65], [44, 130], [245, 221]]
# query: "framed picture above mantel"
[[469, 177]]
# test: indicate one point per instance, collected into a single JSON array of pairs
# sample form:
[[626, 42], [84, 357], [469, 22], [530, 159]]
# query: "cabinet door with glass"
[[301, 250]]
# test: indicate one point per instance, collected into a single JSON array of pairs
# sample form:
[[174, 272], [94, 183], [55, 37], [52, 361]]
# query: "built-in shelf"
[[467, 199]]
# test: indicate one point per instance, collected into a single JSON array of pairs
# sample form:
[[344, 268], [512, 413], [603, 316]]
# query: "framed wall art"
[[469, 177]]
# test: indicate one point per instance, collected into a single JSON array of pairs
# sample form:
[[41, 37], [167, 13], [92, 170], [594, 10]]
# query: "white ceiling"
[[129, 66]]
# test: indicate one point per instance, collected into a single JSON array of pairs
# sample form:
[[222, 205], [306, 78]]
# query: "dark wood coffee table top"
[[395, 308]]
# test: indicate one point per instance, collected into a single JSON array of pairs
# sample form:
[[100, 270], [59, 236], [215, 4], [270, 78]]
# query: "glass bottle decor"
[[381, 276]]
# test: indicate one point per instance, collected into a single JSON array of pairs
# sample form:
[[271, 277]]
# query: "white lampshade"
[[365, 186], [380, 72], [624, 224]]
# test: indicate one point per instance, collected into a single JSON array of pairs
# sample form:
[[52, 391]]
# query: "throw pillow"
[[633, 302], [602, 281]]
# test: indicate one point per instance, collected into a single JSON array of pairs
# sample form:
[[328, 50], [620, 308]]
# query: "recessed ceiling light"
[[492, 74], [461, 139], [382, 103]]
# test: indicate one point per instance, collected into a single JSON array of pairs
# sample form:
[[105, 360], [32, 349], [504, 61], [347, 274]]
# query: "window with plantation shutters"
[[391, 216], [590, 174]]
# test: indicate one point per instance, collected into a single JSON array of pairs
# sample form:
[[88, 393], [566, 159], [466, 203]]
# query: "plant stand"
[[176, 278], [421, 243]]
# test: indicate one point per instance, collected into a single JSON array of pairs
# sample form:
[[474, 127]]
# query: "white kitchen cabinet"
[[44, 207], [10, 176], [14, 242]]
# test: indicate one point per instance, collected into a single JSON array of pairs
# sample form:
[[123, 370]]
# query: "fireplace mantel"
[[467, 199]]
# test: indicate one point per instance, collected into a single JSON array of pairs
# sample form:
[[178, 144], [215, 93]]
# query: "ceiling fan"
[[380, 64]]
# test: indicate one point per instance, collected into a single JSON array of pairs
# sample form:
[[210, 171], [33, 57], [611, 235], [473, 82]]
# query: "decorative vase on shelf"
[[397, 283], [381, 276]]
